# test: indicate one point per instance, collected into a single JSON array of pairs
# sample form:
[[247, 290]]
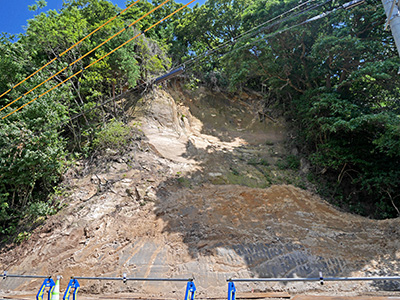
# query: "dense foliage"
[[37, 143], [335, 78]]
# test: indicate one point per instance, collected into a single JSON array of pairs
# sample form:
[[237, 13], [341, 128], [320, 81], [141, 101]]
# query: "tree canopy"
[[34, 145]]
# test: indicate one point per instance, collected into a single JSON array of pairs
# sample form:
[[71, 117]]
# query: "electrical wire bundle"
[[83, 56], [285, 16]]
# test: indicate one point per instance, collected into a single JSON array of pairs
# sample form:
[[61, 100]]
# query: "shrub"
[[115, 135]]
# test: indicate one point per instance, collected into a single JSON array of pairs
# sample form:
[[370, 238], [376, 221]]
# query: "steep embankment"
[[159, 210]]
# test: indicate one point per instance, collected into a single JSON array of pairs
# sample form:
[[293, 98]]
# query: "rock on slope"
[[159, 210]]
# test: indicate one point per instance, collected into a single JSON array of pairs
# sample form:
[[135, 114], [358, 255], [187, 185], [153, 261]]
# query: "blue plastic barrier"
[[73, 284], [47, 283]]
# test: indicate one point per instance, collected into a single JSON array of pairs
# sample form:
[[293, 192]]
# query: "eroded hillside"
[[201, 192]]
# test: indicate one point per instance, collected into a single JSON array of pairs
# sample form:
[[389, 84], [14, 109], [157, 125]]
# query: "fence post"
[[231, 291], [190, 290], [48, 282]]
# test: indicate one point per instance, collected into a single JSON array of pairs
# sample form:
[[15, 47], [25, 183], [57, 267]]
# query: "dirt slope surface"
[[198, 196]]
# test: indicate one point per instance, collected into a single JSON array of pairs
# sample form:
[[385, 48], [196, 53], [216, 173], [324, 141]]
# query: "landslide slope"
[[201, 192]]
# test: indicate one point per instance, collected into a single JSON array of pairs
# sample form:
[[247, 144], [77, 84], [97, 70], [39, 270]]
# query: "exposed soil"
[[203, 193]]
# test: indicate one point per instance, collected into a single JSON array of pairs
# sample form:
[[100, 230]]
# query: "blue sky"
[[15, 13]]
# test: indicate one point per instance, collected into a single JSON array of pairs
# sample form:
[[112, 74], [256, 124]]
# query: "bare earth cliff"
[[199, 194]]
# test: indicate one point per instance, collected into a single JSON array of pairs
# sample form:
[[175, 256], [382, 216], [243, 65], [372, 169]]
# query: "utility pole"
[[393, 19]]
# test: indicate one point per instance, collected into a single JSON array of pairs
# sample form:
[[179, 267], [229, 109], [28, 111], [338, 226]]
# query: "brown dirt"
[[202, 195]]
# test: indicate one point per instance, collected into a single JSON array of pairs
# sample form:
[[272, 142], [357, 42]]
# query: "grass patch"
[[291, 162], [258, 162]]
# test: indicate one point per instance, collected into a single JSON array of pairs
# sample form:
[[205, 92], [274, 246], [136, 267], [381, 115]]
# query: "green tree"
[[34, 144]]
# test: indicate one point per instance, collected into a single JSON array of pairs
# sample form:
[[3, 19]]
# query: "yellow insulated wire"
[[94, 49], [101, 58], [66, 51], [128, 41], [119, 32]]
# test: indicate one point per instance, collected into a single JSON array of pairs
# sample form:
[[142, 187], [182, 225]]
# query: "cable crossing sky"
[[83, 56], [347, 5], [249, 33], [104, 56], [195, 59]]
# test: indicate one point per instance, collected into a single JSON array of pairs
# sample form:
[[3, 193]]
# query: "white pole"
[[393, 19]]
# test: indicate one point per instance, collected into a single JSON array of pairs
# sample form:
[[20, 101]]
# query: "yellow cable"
[[54, 87], [94, 49], [70, 48], [101, 58], [34, 73], [33, 88], [119, 32], [139, 34], [94, 31]]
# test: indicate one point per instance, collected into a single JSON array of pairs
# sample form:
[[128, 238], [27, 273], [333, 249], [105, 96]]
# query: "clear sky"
[[15, 13]]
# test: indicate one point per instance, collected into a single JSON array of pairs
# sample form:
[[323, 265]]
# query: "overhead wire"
[[101, 58], [62, 123], [315, 18], [236, 39], [346, 5], [151, 80], [193, 60], [254, 28], [69, 49], [113, 99], [227, 43], [86, 54]]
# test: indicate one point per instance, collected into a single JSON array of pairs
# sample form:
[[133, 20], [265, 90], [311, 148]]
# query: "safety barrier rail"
[[124, 279], [5, 275], [73, 285], [321, 279]]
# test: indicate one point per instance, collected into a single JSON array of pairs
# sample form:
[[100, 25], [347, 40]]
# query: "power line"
[[277, 17], [101, 58], [198, 57], [138, 87], [91, 51], [104, 56], [183, 64], [66, 51], [315, 18], [236, 39], [192, 60], [347, 5]]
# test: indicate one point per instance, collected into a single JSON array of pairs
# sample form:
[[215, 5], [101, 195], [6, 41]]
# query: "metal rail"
[[321, 279], [134, 279], [5, 275], [313, 279]]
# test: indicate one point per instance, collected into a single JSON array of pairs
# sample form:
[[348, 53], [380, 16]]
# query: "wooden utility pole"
[[393, 19]]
